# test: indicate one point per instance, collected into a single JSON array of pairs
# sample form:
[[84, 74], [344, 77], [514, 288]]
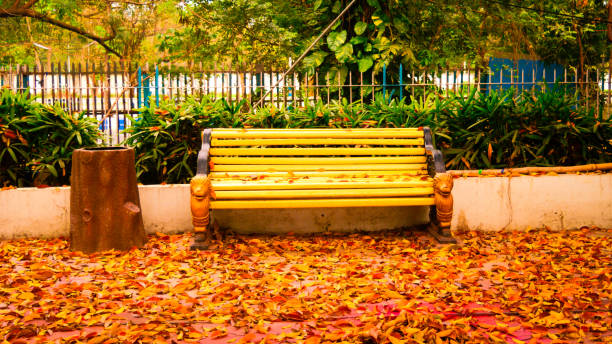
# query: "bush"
[[472, 129], [167, 138], [541, 129], [37, 141]]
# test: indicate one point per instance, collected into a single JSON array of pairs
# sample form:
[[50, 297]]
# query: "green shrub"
[[167, 138], [473, 130], [541, 129], [37, 141]]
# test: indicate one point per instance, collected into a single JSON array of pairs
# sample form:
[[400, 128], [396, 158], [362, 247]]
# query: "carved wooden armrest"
[[201, 187], [443, 186]]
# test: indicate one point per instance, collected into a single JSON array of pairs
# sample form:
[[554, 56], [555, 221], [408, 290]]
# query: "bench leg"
[[201, 194], [443, 186]]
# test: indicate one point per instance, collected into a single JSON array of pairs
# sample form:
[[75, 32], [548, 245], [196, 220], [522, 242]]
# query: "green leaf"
[[358, 40], [360, 27], [337, 7], [365, 63], [336, 39], [344, 53], [51, 169], [69, 139], [376, 20], [374, 3], [12, 153], [315, 59], [317, 4]]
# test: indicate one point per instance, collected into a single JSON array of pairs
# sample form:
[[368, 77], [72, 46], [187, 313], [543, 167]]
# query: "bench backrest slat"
[[316, 141], [317, 152], [314, 133], [317, 160]]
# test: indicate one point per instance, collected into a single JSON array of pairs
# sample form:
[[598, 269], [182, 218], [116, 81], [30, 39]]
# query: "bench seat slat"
[[322, 203], [315, 141], [276, 168], [325, 193], [316, 151], [287, 133], [331, 174], [315, 160], [319, 183]]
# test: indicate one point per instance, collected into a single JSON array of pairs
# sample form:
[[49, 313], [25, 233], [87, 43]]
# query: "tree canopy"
[[86, 30], [268, 33]]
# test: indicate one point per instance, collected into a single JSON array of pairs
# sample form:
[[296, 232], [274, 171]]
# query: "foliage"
[[539, 129], [265, 34], [243, 33], [39, 31], [425, 33], [576, 37], [167, 139], [473, 130], [395, 287], [38, 140]]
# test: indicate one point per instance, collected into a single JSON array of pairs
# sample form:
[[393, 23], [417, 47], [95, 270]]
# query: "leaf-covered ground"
[[393, 287]]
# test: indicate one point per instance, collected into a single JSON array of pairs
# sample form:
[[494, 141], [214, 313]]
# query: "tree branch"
[[30, 3], [26, 12]]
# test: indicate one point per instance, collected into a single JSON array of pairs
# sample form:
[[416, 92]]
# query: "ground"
[[393, 287]]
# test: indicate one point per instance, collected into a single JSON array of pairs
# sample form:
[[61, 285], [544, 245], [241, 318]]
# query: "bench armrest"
[[435, 159], [203, 155]]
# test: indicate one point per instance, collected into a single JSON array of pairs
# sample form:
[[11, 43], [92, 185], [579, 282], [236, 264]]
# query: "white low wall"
[[559, 202], [486, 204]]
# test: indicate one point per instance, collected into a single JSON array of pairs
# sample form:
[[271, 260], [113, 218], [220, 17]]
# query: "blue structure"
[[524, 75]]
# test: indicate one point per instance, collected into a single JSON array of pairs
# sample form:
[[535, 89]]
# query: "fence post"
[[400, 82], [26, 79], [146, 86], [139, 88], [384, 82], [146, 91], [156, 86], [229, 85]]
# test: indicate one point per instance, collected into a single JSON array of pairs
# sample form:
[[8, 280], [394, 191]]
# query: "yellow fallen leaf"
[[394, 340], [444, 333], [312, 340], [27, 296]]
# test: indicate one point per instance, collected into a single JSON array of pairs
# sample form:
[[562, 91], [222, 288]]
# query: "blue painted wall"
[[526, 74]]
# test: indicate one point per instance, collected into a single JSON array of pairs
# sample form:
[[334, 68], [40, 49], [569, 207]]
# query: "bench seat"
[[307, 192], [313, 168]]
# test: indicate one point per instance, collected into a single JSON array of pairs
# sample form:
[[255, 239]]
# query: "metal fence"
[[110, 91]]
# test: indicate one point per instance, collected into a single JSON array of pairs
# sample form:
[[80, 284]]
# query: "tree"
[[245, 33], [430, 33], [63, 14], [69, 28], [268, 33], [575, 35]]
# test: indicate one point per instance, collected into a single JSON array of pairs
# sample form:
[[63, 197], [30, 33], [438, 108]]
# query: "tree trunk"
[[104, 203]]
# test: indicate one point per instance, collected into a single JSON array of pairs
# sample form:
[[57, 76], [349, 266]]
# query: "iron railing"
[[110, 91]]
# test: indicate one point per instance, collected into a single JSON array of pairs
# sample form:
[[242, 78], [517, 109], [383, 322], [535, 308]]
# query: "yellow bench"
[[312, 168]]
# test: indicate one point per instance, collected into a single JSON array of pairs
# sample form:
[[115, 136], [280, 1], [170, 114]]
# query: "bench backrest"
[[316, 152]]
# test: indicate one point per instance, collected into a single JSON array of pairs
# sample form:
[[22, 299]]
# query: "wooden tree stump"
[[104, 203]]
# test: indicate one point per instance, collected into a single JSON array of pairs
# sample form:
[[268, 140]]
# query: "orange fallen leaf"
[[312, 340]]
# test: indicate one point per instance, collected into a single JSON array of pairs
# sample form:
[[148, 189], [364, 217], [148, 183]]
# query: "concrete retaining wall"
[[487, 204]]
